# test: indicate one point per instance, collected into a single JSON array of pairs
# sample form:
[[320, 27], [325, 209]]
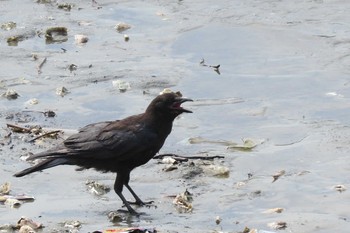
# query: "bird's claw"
[[141, 203], [131, 212]]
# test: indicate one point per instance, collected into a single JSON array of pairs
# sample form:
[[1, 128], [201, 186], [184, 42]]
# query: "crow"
[[117, 146]]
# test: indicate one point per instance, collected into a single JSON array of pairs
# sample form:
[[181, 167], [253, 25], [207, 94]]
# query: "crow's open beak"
[[177, 104]]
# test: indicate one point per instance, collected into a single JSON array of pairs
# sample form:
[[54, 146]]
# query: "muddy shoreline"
[[283, 84]]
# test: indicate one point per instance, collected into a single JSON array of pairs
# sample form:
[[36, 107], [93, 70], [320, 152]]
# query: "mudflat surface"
[[283, 83]]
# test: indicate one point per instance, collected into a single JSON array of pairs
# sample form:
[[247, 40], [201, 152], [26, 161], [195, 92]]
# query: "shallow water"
[[283, 80]]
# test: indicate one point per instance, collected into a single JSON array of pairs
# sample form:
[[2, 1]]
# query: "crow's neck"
[[163, 123]]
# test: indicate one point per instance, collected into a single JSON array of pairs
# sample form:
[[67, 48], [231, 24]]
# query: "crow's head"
[[169, 104]]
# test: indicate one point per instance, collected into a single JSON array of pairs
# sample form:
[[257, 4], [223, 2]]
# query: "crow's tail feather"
[[41, 166]]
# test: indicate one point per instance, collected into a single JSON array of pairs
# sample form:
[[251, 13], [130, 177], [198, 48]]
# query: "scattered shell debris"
[[278, 175], [253, 230], [170, 167], [13, 203], [198, 140], [23, 221], [5, 188], [218, 220], [49, 113], [171, 164], [72, 67], [85, 23], [33, 101], [56, 35], [41, 64], [169, 160], [97, 188], [126, 38], [121, 85], [129, 230], [23, 225], [10, 94], [35, 130], [26, 229], [72, 224], [280, 225], [34, 56], [334, 94], [115, 217], [216, 170], [274, 210], [340, 188], [248, 145], [62, 91], [183, 202], [81, 39], [13, 40], [65, 6], [8, 26], [121, 27]]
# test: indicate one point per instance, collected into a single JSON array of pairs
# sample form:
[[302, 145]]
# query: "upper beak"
[[181, 100]]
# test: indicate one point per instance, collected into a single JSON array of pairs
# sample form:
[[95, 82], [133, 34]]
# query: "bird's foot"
[[141, 203], [129, 211]]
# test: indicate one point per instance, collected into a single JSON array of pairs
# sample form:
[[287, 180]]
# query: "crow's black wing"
[[85, 134], [119, 143]]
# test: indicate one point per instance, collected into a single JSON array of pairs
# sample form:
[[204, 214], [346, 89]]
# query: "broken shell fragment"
[[340, 188], [274, 210], [5, 188], [169, 160], [62, 91], [23, 221], [50, 113], [126, 38], [72, 67], [170, 167], [248, 145], [121, 85], [7, 228], [277, 225], [121, 27], [218, 171], [65, 6], [81, 39], [13, 40], [10, 94], [13, 203], [183, 201], [56, 34], [23, 198], [218, 220], [72, 224], [26, 229], [278, 175], [97, 188], [33, 101], [8, 26], [115, 217]]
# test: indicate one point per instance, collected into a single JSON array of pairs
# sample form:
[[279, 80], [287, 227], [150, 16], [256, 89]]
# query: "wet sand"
[[284, 70]]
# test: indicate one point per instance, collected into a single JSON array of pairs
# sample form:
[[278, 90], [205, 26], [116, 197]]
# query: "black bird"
[[117, 146]]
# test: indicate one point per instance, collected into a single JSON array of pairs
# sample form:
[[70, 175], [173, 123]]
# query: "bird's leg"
[[126, 203], [138, 201], [118, 188]]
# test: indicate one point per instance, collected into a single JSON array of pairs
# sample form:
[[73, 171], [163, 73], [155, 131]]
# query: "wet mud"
[[270, 80]]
